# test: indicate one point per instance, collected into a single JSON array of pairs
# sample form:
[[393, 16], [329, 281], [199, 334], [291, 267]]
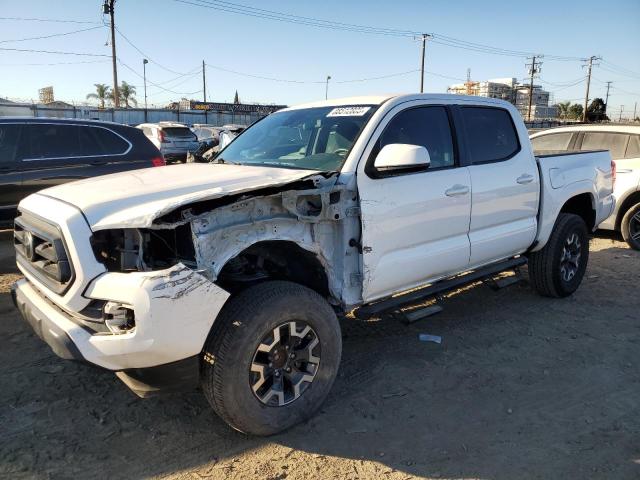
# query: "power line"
[[50, 36], [255, 12], [47, 20], [53, 52], [147, 56], [155, 84], [50, 64]]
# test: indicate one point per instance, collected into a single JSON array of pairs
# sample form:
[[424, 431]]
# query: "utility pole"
[[635, 108], [621, 109], [424, 47], [107, 8], [534, 69], [204, 84], [606, 102], [586, 97], [326, 88]]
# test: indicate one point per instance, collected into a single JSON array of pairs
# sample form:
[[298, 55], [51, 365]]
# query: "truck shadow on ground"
[[520, 387]]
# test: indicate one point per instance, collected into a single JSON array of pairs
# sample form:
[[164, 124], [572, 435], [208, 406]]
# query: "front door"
[[414, 224]]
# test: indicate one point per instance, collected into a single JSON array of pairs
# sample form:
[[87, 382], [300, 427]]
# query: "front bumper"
[[47, 323], [174, 310]]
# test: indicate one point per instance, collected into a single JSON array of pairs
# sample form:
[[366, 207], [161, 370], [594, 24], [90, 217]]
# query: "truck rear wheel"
[[630, 227], [271, 358], [557, 269]]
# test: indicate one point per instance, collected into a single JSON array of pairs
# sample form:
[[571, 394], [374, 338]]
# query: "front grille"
[[41, 251]]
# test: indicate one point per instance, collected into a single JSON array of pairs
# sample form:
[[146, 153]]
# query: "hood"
[[137, 197]]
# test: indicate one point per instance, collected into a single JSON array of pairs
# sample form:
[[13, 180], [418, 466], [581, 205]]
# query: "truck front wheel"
[[271, 358], [557, 269]]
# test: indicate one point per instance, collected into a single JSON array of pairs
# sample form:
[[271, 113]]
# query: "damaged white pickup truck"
[[230, 275]]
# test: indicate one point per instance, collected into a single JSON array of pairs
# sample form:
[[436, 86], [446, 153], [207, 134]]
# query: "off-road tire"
[[545, 265], [238, 331], [629, 227]]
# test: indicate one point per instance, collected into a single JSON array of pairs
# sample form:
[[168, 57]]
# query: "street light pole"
[[144, 76], [425, 36], [326, 88]]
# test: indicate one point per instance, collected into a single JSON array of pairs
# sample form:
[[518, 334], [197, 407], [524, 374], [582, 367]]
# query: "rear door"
[[414, 224], [10, 175], [505, 184]]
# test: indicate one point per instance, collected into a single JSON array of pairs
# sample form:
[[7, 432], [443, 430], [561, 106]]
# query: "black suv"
[[36, 153]]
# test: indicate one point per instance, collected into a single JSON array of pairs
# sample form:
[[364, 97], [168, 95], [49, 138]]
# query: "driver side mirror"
[[401, 156]]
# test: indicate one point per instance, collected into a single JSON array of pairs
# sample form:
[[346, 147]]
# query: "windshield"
[[311, 138]]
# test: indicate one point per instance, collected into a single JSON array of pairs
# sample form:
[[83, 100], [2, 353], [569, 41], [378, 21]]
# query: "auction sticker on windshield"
[[348, 111]]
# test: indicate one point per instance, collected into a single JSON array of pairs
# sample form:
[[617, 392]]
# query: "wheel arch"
[[277, 260], [583, 205]]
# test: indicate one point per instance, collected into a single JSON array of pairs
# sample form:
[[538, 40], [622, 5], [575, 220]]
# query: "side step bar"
[[395, 303]]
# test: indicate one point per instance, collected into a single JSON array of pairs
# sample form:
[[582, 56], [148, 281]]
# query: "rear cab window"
[[491, 135]]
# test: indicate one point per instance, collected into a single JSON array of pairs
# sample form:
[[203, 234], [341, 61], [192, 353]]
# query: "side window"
[[555, 142], [633, 149], [424, 126], [110, 143], [614, 142], [8, 144], [491, 134], [53, 141]]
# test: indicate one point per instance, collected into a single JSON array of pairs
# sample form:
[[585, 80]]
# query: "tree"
[[236, 100], [596, 112], [575, 111], [563, 110], [102, 93], [127, 94]]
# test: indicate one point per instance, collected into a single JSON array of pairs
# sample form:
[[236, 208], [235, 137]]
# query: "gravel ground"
[[521, 387]]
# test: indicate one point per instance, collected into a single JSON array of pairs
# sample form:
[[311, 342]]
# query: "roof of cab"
[[380, 99]]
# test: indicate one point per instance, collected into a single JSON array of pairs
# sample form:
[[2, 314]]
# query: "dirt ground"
[[521, 387]]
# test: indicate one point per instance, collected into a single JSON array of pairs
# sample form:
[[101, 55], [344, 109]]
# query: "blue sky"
[[177, 36]]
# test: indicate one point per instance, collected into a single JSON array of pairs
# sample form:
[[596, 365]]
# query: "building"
[[510, 90], [46, 95]]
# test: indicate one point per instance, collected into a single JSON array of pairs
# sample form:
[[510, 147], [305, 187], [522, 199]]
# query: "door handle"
[[457, 190], [524, 179]]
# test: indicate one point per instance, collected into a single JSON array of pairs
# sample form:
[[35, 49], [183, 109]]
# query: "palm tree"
[[563, 109], [102, 93], [127, 94]]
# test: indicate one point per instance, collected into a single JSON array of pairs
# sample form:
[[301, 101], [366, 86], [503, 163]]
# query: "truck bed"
[[566, 174]]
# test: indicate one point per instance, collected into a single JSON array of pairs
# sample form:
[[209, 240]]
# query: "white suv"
[[623, 141], [174, 140]]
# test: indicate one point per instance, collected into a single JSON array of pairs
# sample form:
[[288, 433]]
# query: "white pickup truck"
[[231, 275]]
